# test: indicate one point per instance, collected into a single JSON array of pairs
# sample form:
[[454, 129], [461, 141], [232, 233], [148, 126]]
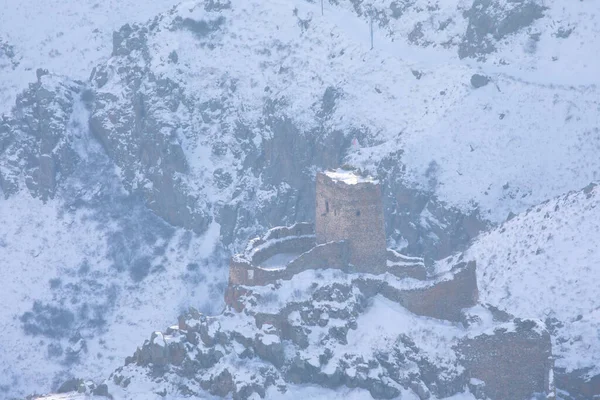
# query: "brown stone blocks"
[[352, 212]]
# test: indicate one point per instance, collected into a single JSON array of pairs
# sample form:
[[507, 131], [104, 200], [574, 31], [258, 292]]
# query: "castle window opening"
[[327, 206], [358, 213]]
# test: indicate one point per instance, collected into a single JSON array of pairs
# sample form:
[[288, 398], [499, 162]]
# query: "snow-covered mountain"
[[132, 164], [544, 263]]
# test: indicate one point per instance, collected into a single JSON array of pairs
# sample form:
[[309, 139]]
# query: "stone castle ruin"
[[300, 297], [348, 235]]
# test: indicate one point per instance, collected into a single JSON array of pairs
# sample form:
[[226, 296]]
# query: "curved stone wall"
[[298, 229], [444, 298], [286, 245], [328, 255]]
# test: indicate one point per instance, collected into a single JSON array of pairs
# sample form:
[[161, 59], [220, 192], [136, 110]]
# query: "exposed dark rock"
[[490, 21], [329, 100], [399, 7], [201, 28], [563, 32], [403, 207], [48, 320], [8, 56], [478, 80], [34, 143], [217, 5], [72, 385], [101, 390], [578, 384]]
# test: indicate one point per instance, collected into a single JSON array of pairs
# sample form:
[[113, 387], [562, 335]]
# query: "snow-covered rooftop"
[[349, 177]]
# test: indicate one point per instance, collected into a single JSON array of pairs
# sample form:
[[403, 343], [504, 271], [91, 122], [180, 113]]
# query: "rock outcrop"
[[328, 329], [34, 143]]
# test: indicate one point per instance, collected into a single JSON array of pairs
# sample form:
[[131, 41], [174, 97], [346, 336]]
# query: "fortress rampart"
[[442, 297], [405, 267], [300, 252]]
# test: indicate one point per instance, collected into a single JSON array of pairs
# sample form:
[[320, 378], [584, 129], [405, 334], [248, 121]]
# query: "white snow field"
[[66, 37], [43, 250]]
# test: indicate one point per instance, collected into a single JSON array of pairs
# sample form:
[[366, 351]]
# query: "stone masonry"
[[512, 362], [349, 207]]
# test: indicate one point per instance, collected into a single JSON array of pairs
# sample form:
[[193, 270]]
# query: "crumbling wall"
[[280, 232], [514, 361], [580, 383], [444, 298], [298, 244], [298, 229], [327, 255], [244, 273], [238, 271]]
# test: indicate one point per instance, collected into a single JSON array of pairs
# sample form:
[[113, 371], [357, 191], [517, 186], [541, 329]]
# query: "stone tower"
[[349, 207]]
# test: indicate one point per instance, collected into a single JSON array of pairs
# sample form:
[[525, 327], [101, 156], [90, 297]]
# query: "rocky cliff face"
[[35, 144], [167, 134]]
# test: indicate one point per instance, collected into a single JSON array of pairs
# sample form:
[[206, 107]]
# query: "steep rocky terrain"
[[132, 164], [337, 333]]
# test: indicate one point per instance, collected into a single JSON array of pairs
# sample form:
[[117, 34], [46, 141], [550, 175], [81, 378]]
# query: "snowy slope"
[[532, 140], [66, 37], [85, 276], [546, 42], [68, 310], [545, 263]]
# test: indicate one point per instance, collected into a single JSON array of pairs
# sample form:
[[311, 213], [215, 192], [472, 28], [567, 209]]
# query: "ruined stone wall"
[[443, 299], [238, 271], [578, 382], [298, 229], [328, 255], [286, 245], [354, 213], [279, 233], [514, 362]]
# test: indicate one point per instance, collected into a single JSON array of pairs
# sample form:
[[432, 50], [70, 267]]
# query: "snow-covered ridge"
[[67, 38], [545, 263]]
